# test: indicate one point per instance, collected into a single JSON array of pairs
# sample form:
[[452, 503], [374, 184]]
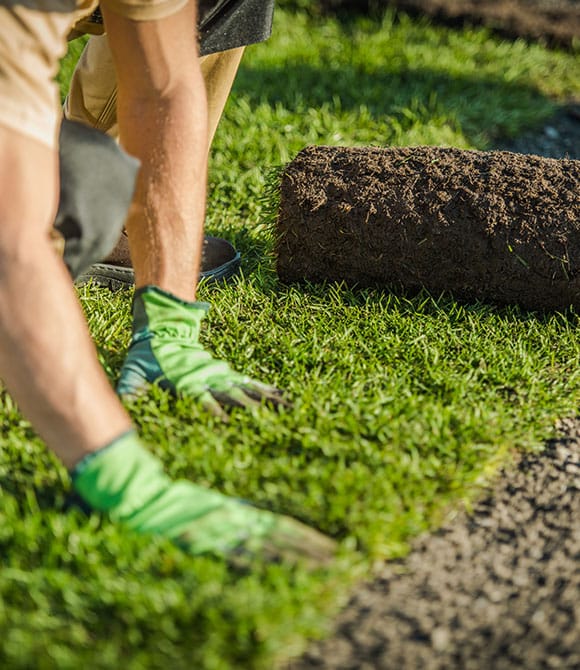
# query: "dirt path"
[[554, 22]]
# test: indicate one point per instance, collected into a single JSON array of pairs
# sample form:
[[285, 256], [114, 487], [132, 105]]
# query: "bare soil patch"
[[496, 588]]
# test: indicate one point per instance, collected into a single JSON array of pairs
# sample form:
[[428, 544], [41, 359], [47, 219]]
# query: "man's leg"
[[92, 99]]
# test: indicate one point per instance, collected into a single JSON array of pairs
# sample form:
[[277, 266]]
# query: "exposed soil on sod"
[[495, 226]]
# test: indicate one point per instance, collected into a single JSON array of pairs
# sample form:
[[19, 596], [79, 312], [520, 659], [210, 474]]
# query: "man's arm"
[[47, 358], [49, 364], [162, 116]]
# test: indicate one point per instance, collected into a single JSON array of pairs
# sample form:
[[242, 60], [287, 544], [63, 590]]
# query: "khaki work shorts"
[[32, 40], [92, 97]]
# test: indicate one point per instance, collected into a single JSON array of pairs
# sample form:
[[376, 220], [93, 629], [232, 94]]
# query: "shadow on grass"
[[402, 97], [259, 263]]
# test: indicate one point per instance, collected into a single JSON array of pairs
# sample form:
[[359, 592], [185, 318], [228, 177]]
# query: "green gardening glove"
[[128, 483], [165, 350]]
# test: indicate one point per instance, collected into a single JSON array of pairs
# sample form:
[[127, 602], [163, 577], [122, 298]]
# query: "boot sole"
[[119, 278]]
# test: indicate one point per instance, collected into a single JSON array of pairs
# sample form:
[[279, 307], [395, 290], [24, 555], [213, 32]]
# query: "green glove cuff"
[[129, 484], [156, 310], [121, 470], [165, 348]]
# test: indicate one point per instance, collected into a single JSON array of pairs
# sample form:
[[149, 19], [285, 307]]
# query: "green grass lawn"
[[404, 405]]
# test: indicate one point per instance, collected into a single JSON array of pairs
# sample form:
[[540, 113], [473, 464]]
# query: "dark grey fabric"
[[222, 24], [97, 180], [228, 24]]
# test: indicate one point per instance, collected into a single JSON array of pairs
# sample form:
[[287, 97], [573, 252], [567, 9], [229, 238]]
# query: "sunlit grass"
[[403, 405]]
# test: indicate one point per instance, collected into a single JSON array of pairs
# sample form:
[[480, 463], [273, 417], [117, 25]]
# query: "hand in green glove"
[[127, 482], [165, 350]]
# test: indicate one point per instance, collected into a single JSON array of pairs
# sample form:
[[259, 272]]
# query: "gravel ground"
[[496, 589]]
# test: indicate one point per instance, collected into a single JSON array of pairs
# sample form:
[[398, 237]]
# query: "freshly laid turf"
[[403, 404]]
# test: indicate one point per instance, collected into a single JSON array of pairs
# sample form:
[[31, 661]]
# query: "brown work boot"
[[219, 262]]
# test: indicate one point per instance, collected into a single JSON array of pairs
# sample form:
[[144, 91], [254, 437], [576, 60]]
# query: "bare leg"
[[92, 99], [219, 71]]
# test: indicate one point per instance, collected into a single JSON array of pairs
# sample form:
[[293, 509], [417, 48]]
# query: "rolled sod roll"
[[491, 226]]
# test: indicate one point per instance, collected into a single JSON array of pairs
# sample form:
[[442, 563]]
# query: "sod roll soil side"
[[493, 226]]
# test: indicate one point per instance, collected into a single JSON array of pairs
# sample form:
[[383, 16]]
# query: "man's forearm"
[[162, 116], [47, 359], [165, 225]]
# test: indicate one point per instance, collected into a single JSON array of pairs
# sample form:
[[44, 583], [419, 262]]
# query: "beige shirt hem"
[[42, 128], [141, 11]]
